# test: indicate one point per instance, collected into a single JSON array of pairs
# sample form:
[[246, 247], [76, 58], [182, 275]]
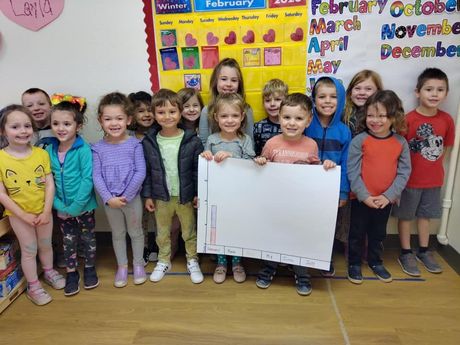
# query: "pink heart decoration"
[[211, 39], [189, 62], [231, 38], [32, 15], [170, 64], [249, 37], [190, 41], [297, 35], [168, 40], [269, 36]]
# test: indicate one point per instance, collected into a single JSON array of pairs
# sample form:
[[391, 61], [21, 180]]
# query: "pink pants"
[[33, 239]]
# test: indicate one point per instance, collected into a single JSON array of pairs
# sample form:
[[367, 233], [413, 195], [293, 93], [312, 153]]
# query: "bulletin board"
[[300, 41]]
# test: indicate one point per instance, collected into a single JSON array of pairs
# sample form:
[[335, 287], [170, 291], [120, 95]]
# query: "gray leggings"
[[127, 219]]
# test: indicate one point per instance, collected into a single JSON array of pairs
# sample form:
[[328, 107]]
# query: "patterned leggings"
[[73, 229]]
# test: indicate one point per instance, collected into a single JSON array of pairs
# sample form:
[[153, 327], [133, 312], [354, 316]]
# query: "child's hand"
[[221, 156], [149, 205], [117, 202], [370, 202], [261, 160], [43, 218], [30, 219], [195, 202], [207, 155], [342, 203], [328, 164], [381, 201]]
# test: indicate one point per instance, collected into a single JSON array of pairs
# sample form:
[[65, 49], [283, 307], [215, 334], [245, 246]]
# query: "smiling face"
[[362, 91], [431, 94], [114, 122], [326, 102], [377, 120], [39, 105], [228, 80], [229, 118], [168, 117], [18, 129], [143, 115], [293, 121], [192, 109], [272, 106], [64, 126]]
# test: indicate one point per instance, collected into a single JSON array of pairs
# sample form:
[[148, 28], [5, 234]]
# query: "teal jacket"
[[73, 178]]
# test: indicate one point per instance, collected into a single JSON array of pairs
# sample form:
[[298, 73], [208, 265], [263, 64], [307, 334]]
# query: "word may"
[[318, 66], [398, 8], [34, 9], [421, 30], [387, 50], [332, 26], [328, 45], [354, 6]]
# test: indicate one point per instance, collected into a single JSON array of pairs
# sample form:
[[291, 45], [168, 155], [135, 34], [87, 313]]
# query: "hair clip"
[[61, 97]]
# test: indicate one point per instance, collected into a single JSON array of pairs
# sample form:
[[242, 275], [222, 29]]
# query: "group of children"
[[147, 162]]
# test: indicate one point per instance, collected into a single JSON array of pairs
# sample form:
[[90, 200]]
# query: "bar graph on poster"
[[291, 218]]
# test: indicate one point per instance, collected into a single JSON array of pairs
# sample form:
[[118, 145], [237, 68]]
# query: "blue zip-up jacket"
[[73, 178], [333, 140]]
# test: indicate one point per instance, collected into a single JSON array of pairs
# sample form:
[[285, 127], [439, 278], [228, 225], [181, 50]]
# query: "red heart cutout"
[[189, 62], [190, 41], [211, 39], [168, 40], [249, 37], [170, 64], [269, 36], [297, 35], [231, 38]]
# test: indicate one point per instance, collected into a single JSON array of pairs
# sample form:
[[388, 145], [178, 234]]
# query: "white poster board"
[[277, 212]]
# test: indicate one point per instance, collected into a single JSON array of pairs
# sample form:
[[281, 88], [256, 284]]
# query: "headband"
[[60, 97]]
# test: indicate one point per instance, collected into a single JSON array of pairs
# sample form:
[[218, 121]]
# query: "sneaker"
[[38, 295], [159, 272], [72, 283], [302, 285], [121, 278], [55, 279], [239, 275], [428, 260], [265, 277], [139, 274], [220, 273], [354, 274], [408, 264], [90, 279], [329, 273], [153, 257], [195, 273], [381, 272]]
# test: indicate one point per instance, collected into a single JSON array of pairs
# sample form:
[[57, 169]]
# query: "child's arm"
[[197, 150], [98, 179], [402, 174], [249, 123], [257, 139], [203, 126], [149, 205], [328, 164], [45, 217], [344, 183], [354, 169], [207, 155], [247, 148], [132, 189], [10, 205]]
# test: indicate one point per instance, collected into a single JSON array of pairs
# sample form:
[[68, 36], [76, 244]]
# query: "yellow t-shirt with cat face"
[[24, 179]]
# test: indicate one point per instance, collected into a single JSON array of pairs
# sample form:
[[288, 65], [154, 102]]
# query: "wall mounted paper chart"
[[278, 212]]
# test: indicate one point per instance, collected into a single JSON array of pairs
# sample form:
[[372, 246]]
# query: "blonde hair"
[[275, 86], [359, 78], [232, 99]]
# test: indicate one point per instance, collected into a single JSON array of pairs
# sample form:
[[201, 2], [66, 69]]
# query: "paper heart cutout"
[[32, 15], [249, 37], [190, 41], [297, 35], [211, 39], [170, 64], [168, 40], [269, 36], [231, 38], [189, 62]]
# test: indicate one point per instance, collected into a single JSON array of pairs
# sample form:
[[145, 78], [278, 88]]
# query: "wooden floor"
[[174, 311]]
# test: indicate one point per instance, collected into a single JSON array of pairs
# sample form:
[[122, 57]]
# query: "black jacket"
[[155, 186]]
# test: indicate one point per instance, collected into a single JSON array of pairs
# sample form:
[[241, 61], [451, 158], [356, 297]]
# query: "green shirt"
[[169, 149]]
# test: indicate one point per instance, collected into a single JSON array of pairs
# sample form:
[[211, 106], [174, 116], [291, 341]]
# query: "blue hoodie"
[[334, 139], [73, 178]]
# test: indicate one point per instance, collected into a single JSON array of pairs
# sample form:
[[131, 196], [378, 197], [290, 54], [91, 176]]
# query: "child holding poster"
[[229, 116], [292, 147], [378, 169], [273, 93], [225, 78], [331, 135], [430, 132]]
